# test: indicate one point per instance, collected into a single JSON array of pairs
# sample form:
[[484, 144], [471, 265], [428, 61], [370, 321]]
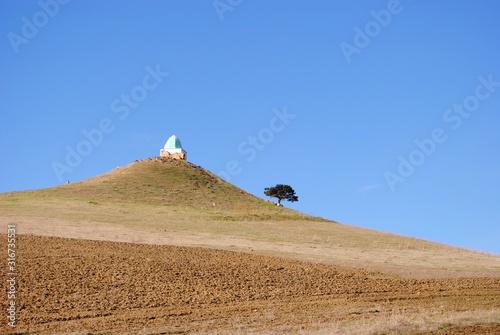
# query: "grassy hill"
[[163, 201], [177, 187]]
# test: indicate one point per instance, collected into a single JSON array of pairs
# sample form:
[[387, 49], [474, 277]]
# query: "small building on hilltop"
[[173, 149]]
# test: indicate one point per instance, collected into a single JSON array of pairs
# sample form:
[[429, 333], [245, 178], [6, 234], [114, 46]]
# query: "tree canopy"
[[281, 192]]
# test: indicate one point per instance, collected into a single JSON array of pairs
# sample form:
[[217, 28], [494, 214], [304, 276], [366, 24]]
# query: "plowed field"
[[81, 286]]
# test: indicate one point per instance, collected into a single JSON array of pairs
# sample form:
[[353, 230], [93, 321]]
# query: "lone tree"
[[281, 192]]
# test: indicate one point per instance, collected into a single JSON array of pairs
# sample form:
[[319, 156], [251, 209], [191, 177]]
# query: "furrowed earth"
[[69, 285], [242, 266]]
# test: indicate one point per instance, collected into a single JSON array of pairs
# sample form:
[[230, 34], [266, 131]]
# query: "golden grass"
[[163, 201], [399, 322]]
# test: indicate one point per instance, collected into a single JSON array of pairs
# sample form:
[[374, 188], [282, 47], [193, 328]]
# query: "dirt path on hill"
[[94, 287]]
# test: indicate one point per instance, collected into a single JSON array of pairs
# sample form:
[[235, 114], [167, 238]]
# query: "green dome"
[[173, 143]]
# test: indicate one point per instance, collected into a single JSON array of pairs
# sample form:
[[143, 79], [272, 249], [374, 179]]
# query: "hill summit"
[[181, 187], [160, 200]]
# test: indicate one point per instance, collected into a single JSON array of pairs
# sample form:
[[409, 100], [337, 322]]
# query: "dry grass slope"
[[380, 283], [163, 201], [179, 187]]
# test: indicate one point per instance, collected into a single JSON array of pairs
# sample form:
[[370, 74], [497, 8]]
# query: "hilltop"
[[163, 246], [159, 200], [177, 187]]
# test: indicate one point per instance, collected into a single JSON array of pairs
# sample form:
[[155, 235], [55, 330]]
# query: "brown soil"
[[67, 286]]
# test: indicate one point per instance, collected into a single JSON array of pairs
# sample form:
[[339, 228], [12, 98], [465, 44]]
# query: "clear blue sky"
[[381, 114]]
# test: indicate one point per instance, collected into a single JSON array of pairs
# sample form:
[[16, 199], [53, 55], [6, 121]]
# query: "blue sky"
[[381, 114]]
